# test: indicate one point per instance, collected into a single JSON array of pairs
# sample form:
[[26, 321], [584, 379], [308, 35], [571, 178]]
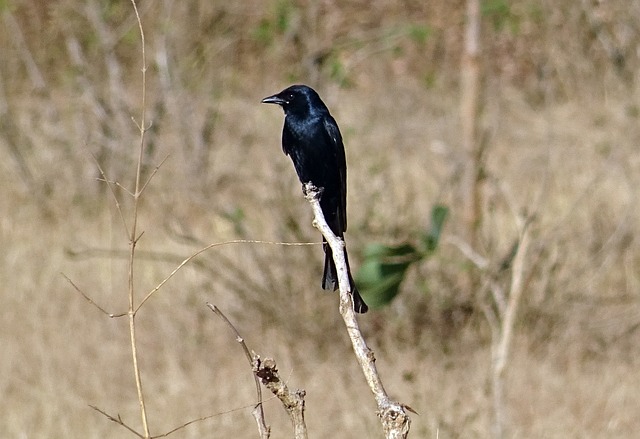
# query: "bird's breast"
[[310, 155]]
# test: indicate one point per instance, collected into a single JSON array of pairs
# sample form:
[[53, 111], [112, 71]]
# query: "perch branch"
[[394, 417]]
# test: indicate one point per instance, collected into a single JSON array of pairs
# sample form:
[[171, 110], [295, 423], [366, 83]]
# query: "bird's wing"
[[287, 139], [331, 128]]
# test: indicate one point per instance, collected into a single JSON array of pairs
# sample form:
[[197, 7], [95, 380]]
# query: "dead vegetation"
[[560, 115]]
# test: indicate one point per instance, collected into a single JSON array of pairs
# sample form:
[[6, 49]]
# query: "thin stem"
[[117, 420], [133, 239], [258, 411]]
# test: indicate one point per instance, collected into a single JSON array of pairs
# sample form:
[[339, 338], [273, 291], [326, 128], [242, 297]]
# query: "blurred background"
[[553, 143]]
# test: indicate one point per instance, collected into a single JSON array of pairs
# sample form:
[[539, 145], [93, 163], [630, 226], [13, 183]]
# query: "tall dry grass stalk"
[[131, 228], [133, 233]]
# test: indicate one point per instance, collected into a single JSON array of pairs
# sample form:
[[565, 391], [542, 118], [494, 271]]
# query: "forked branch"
[[258, 412], [267, 372]]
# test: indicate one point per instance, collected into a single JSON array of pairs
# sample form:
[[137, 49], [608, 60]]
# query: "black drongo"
[[312, 139]]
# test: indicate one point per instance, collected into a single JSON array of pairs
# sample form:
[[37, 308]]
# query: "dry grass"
[[574, 368]]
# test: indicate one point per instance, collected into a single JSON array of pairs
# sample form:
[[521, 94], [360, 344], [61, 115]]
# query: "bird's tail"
[[330, 279]]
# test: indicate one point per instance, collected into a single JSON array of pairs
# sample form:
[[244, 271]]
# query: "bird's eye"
[[290, 97]]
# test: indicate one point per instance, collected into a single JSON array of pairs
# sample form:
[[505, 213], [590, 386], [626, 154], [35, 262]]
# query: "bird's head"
[[300, 100]]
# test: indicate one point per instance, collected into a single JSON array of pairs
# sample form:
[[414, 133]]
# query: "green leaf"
[[383, 270], [385, 266], [379, 282], [431, 239], [377, 250]]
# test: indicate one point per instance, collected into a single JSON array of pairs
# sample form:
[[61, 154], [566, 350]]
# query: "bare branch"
[[258, 411], [117, 420], [478, 260], [97, 252], [263, 429], [133, 236], [113, 193], [155, 171], [193, 421], [166, 279], [293, 402], [515, 291], [204, 249], [394, 418], [203, 418], [104, 311], [116, 184], [502, 326]]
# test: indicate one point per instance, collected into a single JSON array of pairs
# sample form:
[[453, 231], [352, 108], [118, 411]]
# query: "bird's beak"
[[275, 99]]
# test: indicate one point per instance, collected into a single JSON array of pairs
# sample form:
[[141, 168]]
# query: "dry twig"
[[134, 237], [293, 402], [267, 372], [258, 412], [118, 420]]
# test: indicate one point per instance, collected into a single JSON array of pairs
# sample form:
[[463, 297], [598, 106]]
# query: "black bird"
[[312, 139]]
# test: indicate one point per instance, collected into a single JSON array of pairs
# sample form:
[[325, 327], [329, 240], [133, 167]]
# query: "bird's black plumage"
[[312, 139]]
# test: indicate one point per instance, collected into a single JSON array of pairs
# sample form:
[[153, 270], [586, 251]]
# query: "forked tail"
[[330, 279]]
